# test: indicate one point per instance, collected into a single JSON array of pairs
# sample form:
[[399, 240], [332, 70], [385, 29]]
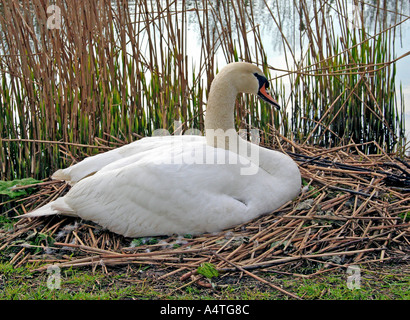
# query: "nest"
[[354, 209]]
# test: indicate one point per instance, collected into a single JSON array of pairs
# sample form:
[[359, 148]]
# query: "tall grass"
[[117, 70]]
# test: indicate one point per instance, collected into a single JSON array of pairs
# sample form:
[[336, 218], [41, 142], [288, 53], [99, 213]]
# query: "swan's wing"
[[153, 196], [91, 165]]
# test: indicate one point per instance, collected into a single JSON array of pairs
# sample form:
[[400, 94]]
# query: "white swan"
[[184, 184]]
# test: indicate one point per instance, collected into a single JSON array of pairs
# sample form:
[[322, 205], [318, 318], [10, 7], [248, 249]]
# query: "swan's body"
[[183, 184]]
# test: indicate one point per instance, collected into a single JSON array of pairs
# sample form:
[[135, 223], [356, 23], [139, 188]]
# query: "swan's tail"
[[57, 207], [60, 175]]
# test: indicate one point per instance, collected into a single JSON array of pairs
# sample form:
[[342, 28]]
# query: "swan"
[[184, 184]]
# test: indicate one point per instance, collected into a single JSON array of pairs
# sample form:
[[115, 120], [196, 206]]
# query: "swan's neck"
[[220, 129], [219, 119]]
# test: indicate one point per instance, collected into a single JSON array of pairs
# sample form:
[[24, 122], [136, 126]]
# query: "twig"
[[257, 278]]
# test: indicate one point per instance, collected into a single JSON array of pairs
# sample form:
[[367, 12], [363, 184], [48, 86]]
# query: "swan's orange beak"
[[262, 93]]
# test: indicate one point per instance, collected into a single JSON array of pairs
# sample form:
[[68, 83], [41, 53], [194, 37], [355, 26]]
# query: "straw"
[[355, 214]]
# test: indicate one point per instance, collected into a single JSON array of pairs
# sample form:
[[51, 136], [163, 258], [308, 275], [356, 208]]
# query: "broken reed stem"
[[328, 217], [59, 143], [257, 278]]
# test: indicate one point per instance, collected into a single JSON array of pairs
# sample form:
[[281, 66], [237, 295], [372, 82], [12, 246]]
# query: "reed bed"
[[119, 70], [355, 72], [354, 210]]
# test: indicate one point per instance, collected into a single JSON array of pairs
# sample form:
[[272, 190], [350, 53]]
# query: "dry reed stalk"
[[257, 278], [124, 69]]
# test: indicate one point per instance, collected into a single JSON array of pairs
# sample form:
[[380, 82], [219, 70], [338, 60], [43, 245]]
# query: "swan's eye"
[[262, 80]]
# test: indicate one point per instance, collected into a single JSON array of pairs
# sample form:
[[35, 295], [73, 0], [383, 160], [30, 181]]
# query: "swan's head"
[[248, 78]]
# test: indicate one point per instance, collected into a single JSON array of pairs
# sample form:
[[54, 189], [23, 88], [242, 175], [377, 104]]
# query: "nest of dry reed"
[[354, 209]]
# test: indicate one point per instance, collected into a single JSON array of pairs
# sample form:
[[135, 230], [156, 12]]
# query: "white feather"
[[58, 206]]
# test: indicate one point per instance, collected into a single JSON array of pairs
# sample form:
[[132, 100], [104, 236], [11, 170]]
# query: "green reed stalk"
[[115, 70]]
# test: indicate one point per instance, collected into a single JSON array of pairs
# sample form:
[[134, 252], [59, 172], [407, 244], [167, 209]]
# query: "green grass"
[[378, 283], [371, 288], [20, 284]]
